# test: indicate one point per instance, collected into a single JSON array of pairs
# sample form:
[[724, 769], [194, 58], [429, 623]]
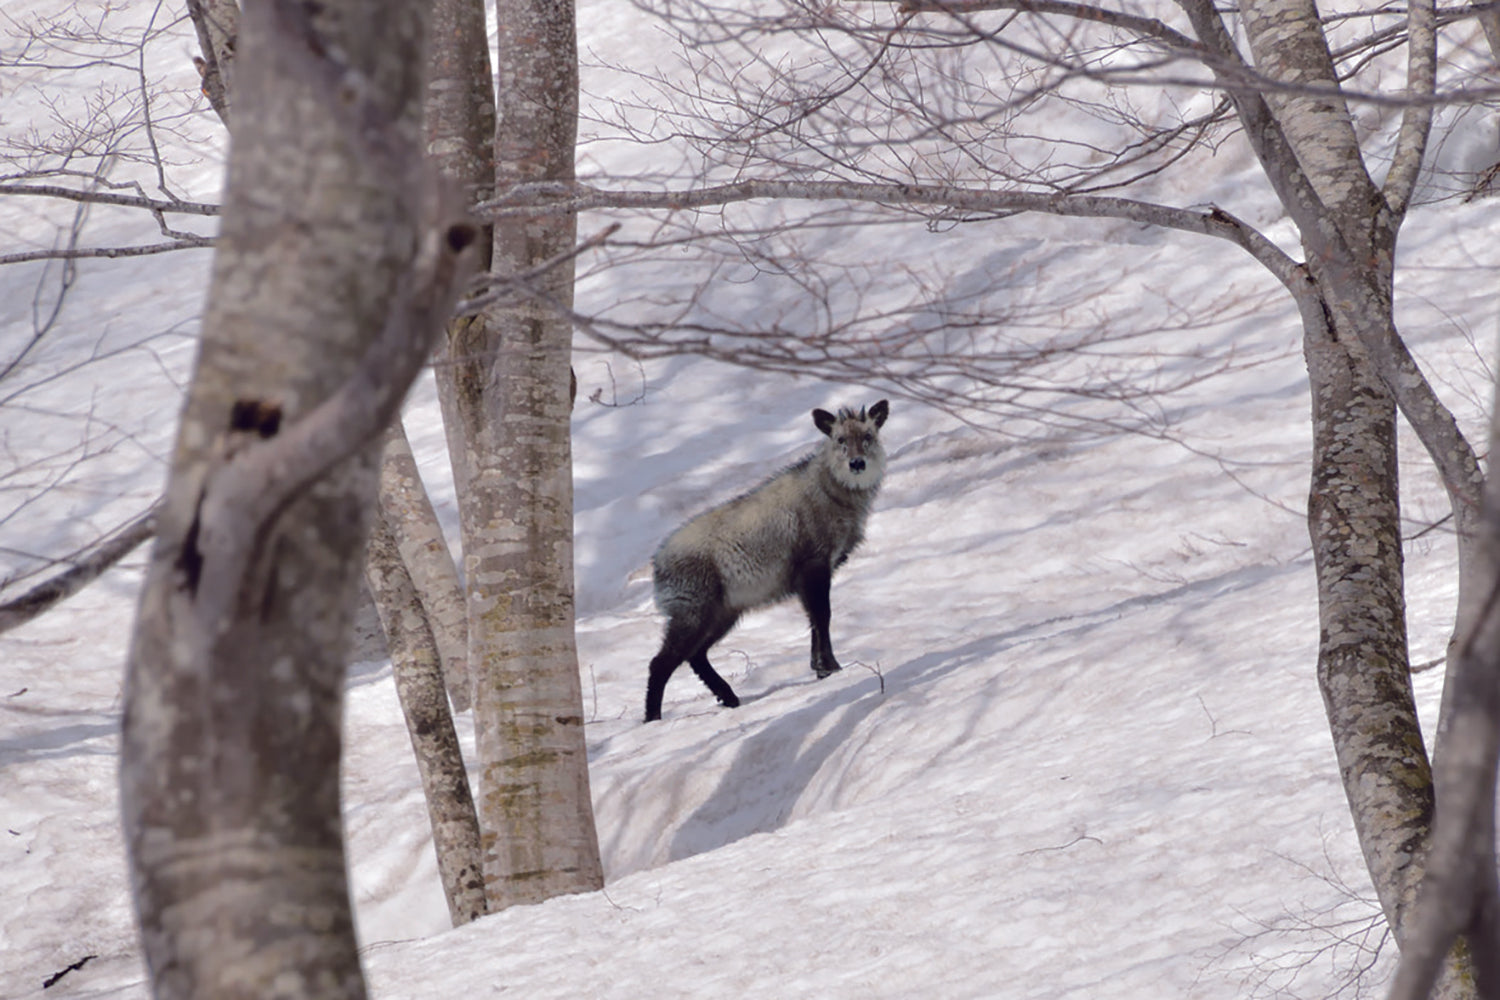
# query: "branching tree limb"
[[84, 570]]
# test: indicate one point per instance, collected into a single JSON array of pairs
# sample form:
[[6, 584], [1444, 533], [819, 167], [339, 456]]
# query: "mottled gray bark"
[[420, 687], [217, 23], [428, 564], [1360, 371], [327, 286], [513, 403], [459, 120], [1355, 522]]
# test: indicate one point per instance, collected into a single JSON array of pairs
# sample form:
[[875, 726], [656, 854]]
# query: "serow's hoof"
[[730, 700], [826, 670]]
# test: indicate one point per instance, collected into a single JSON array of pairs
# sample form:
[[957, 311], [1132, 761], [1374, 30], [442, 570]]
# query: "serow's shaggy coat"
[[784, 537]]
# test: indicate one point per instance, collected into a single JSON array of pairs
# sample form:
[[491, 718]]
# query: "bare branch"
[[1416, 120], [952, 202], [94, 197], [502, 286], [83, 571], [81, 253], [1142, 27]]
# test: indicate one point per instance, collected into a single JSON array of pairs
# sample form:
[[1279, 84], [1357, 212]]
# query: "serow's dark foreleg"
[[813, 590]]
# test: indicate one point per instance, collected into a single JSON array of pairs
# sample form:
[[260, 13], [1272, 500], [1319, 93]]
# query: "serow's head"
[[853, 450]]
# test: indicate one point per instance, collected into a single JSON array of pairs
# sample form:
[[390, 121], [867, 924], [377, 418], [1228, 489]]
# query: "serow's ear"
[[824, 421], [880, 411]]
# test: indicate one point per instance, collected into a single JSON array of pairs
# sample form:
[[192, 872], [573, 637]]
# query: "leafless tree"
[[956, 113], [340, 257], [95, 132], [83, 163], [424, 558], [509, 397]]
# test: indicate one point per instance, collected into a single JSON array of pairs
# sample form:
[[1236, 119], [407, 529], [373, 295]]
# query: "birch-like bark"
[[459, 120], [1359, 370], [427, 564], [420, 687], [217, 23], [1355, 523], [1458, 902], [325, 291], [514, 404]]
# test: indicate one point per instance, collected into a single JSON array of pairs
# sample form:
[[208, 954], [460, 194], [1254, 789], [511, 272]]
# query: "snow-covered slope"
[[1078, 749]]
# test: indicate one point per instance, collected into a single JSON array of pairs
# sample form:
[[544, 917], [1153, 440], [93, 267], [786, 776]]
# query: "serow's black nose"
[[857, 464]]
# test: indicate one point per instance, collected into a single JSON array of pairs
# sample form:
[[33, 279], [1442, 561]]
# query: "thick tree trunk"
[[419, 684], [1355, 522], [513, 401], [1359, 372], [320, 311]]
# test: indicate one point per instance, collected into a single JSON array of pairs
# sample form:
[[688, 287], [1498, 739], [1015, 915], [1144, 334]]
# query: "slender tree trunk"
[[460, 131], [217, 23], [514, 403], [321, 308], [1458, 902], [504, 381], [427, 564], [419, 684]]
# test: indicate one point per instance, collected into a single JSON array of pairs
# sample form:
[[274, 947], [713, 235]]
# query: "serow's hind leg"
[[689, 640], [662, 666], [679, 641]]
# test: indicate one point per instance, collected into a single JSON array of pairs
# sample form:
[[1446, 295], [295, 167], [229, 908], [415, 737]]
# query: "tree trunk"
[[1355, 522], [419, 684], [321, 307], [217, 23], [1458, 902], [460, 131], [513, 402], [1359, 370], [427, 564]]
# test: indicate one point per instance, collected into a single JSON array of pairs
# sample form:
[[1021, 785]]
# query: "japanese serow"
[[785, 537]]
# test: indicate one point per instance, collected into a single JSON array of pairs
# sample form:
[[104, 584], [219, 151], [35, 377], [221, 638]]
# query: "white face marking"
[[854, 454]]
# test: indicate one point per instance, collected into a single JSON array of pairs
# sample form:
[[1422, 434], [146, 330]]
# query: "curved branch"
[[84, 571], [247, 490], [950, 199], [1148, 28]]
